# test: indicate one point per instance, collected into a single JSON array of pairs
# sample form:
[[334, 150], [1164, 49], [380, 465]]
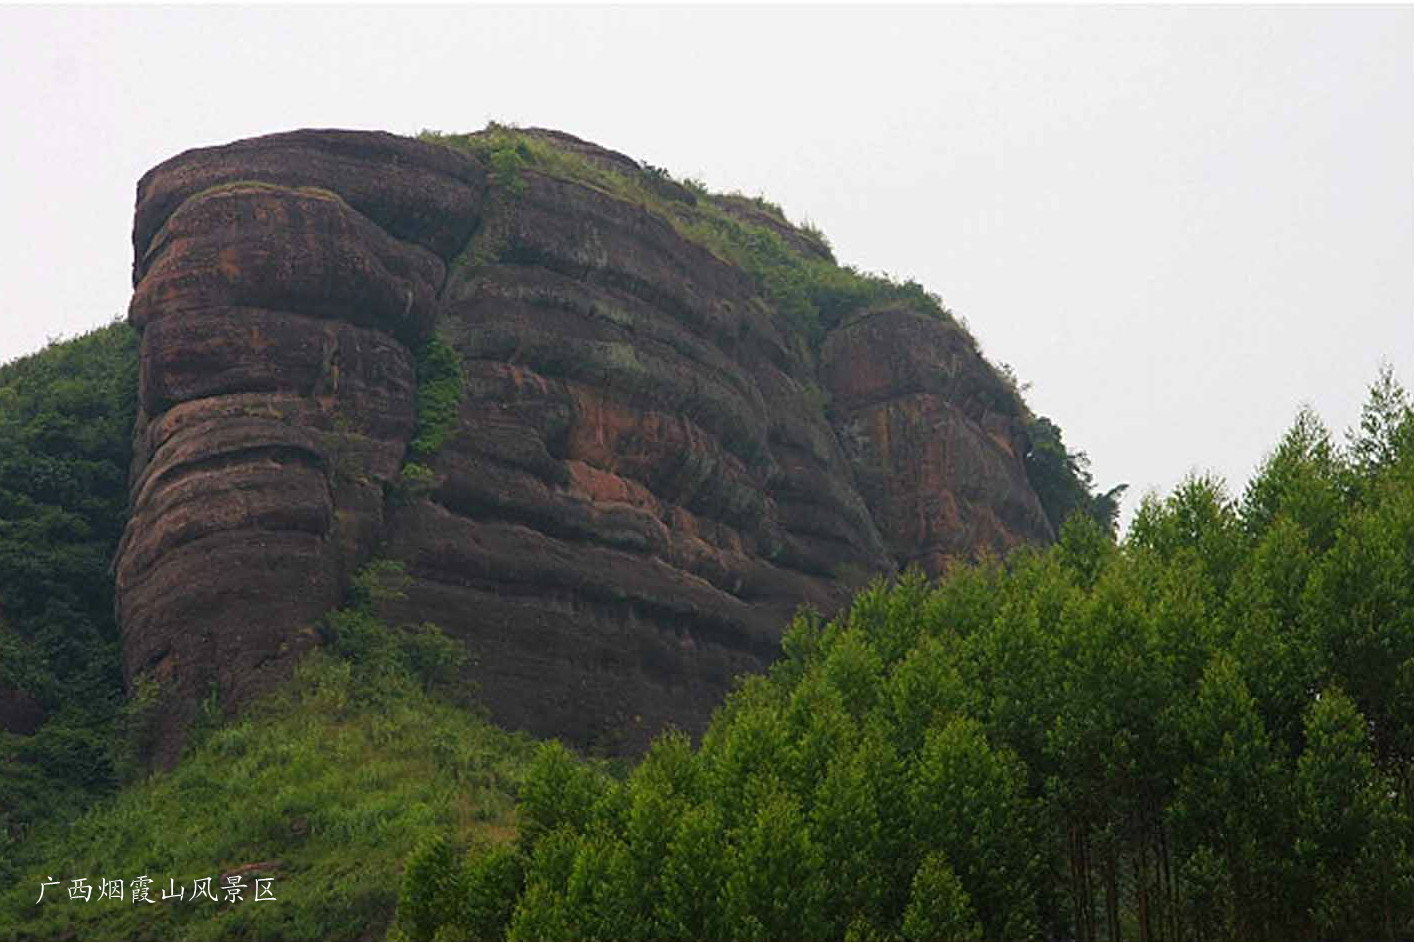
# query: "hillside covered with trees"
[[1203, 732], [66, 418]]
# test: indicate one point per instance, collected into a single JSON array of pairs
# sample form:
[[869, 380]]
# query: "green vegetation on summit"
[[794, 268]]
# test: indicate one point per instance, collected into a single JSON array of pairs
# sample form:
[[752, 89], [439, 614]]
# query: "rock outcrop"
[[653, 465]]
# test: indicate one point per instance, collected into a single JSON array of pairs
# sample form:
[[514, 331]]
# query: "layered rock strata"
[[279, 286], [642, 485]]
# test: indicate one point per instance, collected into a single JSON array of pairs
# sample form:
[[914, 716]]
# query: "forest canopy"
[[1203, 731], [66, 419]]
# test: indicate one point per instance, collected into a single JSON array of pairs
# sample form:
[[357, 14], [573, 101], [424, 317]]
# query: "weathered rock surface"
[[934, 450], [418, 192], [642, 485], [277, 392]]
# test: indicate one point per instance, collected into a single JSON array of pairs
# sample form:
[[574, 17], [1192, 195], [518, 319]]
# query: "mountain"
[[615, 428], [406, 442]]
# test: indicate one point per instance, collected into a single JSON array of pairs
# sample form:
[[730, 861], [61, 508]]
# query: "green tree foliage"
[[66, 419], [1062, 480], [1352, 857], [1301, 480], [938, 907], [1386, 434], [433, 874], [1230, 805], [1203, 731]]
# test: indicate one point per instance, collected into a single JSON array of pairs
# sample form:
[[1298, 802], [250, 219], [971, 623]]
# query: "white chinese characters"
[[139, 890]]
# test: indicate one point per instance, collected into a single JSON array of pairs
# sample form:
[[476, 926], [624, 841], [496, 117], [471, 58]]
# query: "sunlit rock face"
[[652, 468], [934, 446]]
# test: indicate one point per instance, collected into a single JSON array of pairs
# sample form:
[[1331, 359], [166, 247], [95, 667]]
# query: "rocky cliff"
[[673, 420]]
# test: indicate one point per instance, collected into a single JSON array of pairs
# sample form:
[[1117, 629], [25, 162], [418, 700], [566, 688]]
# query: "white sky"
[[1177, 223]]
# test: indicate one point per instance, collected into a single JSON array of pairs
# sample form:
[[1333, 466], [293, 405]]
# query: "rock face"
[[643, 482], [933, 449]]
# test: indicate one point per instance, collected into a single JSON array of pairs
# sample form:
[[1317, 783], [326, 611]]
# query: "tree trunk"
[[1141, 889], [1112, 891]]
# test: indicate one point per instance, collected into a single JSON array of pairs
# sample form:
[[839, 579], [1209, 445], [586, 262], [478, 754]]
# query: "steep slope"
[[322, 787], [277, 392], [678, 421]]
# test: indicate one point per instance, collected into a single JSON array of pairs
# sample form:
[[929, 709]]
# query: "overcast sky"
[[1177, 224]]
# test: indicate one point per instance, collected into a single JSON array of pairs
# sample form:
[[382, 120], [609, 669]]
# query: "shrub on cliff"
[[439, 393], [1062, 480]]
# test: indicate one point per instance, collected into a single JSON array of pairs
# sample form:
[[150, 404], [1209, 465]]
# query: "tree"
[[1354, 862], [1229, 809], [968, 804], [1386, 434], [1202, 730], [66, 419], [1062, 480], [1197, 518], [938, 907], [1301, 480]]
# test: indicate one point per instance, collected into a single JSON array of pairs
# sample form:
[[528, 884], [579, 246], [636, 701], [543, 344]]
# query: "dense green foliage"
[[815, 293], [66, 418], [1205, 731], [1062, 480], [329, 784]]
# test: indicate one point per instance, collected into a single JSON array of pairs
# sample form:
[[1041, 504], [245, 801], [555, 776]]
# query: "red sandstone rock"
[[286, 250], [935, 454], [419, 192], [642, 485]]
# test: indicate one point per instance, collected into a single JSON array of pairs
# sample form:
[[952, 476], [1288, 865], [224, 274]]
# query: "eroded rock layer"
[[936, 449], [643, 483], [277, 393]]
